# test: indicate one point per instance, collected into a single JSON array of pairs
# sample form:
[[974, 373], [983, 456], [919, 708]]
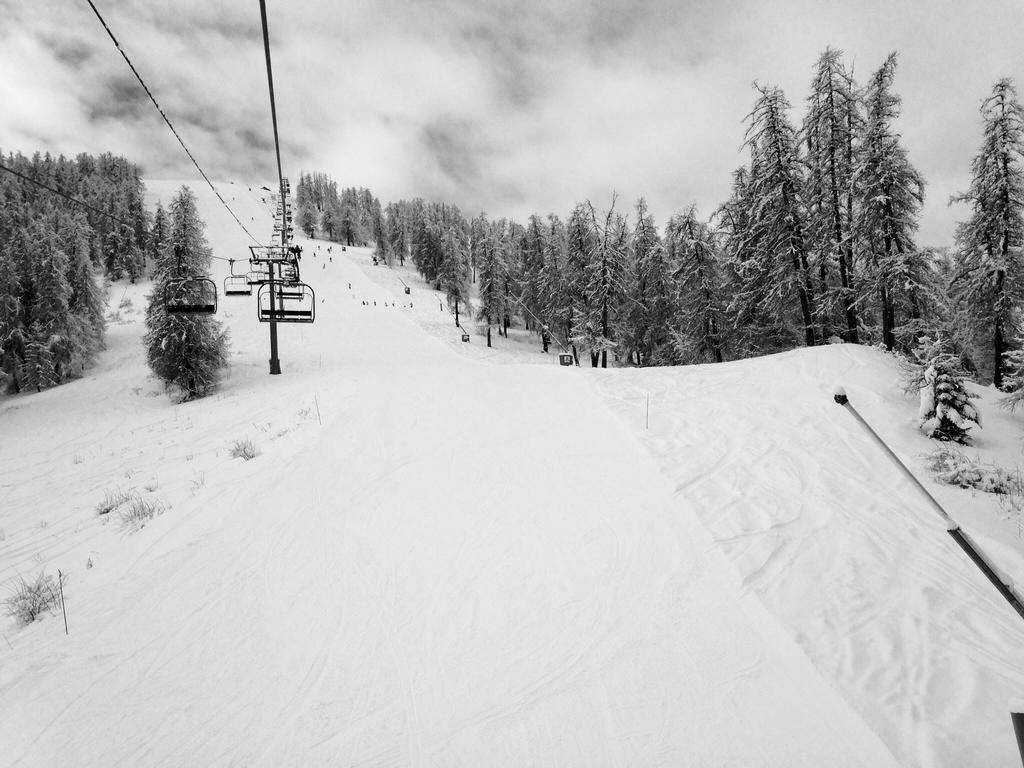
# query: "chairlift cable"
[[273, 102], [167, 120]]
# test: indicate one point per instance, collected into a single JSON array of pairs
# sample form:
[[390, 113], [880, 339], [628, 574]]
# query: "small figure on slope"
[[946, 412]]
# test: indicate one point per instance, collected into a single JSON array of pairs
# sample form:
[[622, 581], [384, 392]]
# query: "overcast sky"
[[509, 108]]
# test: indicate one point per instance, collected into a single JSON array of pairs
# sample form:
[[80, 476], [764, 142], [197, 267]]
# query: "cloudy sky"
[[510, 108]]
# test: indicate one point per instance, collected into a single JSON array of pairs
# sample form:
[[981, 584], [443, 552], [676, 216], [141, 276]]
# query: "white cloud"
[[506, 107]]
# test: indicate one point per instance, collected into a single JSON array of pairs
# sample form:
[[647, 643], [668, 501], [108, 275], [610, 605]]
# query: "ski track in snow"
[[473, 562]]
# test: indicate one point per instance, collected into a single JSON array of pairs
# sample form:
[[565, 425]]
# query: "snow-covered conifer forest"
[[568, 490]]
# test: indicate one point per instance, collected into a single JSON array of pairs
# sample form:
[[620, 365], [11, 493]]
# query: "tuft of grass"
[[244, 449], [31, 599], [126, 303], [112, 500], [137, 512]]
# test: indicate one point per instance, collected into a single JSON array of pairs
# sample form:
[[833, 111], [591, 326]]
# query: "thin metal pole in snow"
[[965, 542], [60, 586], [647, 420]]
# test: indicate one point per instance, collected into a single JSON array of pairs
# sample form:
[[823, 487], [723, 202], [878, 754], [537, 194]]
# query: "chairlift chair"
[[237, 285], [191, 296], [292, 303], [257, 277]]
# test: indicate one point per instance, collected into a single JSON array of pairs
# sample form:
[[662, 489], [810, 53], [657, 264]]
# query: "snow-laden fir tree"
[[187, 351], [829, 134], [581, 245], [453, 274], [891, 193], [87, 302], [648, 301], [1013, 379], [156, 240], [48, 342], [11, 335], [555, 307], [776, 271], [492, 273], [945, 411], [602, 286], [699, 324], [531, 266], [990, 285]]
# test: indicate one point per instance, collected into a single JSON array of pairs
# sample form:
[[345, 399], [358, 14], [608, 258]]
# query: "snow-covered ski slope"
[[436, 560]]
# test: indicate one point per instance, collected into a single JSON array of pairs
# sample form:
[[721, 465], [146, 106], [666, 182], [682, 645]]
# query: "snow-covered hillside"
[[437, 560]]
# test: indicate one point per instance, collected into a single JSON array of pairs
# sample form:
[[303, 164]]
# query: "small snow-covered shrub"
[[112, 500], [137, 512], [950, 466], [945, 412], [1013, 382], [30, 599], [244, 449]]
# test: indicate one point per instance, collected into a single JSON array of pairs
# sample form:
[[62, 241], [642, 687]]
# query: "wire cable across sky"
[[169, 124]]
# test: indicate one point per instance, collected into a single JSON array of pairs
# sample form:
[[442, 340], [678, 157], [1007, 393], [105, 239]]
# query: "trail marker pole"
[[63, 610], [317, 401], [647, 420]]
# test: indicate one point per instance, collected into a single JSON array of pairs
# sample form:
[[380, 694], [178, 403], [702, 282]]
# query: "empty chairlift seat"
[[191, 296], [237, 285], [286, 303]]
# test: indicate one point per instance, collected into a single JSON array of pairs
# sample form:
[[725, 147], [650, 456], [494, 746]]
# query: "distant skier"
[[545, 338]]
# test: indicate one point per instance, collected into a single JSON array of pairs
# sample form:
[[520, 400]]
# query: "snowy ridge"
[[436, 560], [839, 546]]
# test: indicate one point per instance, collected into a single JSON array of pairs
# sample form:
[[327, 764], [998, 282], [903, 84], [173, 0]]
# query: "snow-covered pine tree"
[[531, 265], [891, 193], [602, 285], [453, 274], [11, 336], [39, 371], [156, 240], [945, 411], [990, 284], [699, 323], [1013, 379], [554, 305], [87, 300], [394, 232], [492, 273], [777, 271], [50, 310], [187, 351], [581, 245], [829, 129], [647, 307]]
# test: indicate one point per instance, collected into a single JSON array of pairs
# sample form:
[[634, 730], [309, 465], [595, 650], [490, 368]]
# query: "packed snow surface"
[[445, 554]]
